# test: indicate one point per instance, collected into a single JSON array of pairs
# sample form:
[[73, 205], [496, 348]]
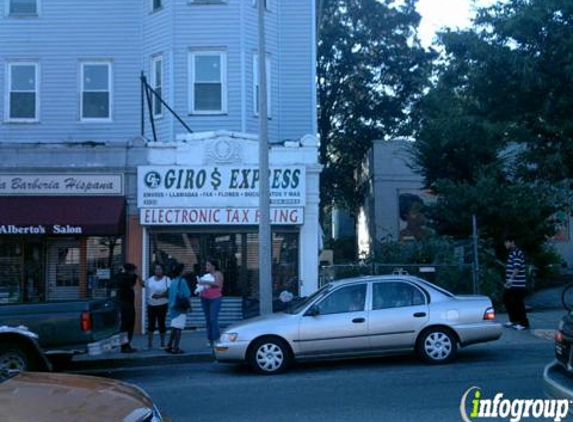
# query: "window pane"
[[396, 295], [23, 7], [158, 73], [156, 4], [96, 77], [23, 77], [22, 105], [95, 105], [208, 68], [156, 103], [208, 97], [347, 299]]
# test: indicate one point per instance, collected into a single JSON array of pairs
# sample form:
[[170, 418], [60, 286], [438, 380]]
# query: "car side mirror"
[[313, 311]]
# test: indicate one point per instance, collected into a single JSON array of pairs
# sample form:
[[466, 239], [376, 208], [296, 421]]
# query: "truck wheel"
[[13, 357]]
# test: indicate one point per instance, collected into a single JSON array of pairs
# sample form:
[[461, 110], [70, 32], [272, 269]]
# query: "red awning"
[[51, 215]]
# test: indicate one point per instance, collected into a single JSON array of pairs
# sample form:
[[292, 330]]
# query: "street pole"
[[265, 257]]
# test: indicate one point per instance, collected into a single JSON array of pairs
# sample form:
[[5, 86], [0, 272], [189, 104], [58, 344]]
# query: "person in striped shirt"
[[515, 283]]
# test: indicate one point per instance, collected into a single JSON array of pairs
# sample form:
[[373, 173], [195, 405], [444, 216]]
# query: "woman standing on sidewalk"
[[211, 299], [179, 291], [157, 288]]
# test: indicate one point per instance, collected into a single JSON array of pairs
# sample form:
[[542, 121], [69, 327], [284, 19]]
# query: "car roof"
[[377, 278]]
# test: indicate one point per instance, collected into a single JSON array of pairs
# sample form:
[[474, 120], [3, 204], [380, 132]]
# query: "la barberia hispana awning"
[[62, 215]]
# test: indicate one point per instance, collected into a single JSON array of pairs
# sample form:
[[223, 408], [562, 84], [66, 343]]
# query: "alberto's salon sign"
[[61, 184], [40, 229], [218, 186]]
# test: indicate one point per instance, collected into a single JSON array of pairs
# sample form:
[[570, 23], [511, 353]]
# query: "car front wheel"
[[269, 356], [437, 345]]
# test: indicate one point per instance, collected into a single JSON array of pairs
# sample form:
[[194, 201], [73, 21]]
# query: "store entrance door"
[[63, 278]]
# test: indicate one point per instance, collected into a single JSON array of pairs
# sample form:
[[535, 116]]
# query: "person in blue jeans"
[[211, 299]]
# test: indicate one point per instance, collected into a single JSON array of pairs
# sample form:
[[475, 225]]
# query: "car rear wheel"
[[269, 356], [437, 345], [13, 358]]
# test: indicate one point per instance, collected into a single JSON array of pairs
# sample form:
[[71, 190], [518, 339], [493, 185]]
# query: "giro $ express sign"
[[218, 186]]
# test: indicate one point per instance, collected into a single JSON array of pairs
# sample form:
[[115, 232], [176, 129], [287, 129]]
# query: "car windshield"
[[298, 306]]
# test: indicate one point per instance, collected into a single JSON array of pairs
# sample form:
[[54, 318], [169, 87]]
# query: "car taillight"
[[86, 321], [559, 336], [489, 314]]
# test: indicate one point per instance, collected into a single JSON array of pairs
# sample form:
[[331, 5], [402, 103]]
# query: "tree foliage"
[[371, 69], [495, 135]]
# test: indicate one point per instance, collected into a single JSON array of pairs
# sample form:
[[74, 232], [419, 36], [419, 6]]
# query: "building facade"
[[395, 196], [76, 138]]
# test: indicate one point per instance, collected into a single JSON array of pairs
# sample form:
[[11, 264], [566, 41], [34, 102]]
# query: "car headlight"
[[229, 337]]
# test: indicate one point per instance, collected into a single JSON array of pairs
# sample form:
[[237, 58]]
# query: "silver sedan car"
[[362, 317]]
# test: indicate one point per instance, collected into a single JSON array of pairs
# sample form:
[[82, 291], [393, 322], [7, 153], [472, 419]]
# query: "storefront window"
[[237, 253], [52, 269], [104, 262], [11, 267]]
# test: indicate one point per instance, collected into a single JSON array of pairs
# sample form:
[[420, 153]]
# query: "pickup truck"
[[67, 327]]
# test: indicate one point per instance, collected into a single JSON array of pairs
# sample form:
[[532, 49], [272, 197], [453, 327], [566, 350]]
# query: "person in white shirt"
[[157, 293]]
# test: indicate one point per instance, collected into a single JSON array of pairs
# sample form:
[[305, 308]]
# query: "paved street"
[[387, 389]]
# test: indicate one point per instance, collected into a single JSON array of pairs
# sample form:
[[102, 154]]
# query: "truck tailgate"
[[105, 319]]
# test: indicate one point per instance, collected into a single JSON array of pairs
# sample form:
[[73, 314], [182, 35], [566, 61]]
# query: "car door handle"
[[359, 320], [419, 315]]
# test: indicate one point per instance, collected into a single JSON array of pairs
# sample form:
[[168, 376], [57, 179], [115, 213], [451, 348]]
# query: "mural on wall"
[[413, 222]]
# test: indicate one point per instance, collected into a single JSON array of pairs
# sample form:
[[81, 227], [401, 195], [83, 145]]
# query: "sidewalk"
[[545, 313], [193, 343]]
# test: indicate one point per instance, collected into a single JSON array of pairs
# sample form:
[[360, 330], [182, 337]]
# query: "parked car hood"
[[276, 318], [68, 398]]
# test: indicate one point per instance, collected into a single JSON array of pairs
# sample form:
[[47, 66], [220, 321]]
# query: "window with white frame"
[[157, 84], [96, 91], [23, 7], [23, 91], [208, 92], [256, 84]]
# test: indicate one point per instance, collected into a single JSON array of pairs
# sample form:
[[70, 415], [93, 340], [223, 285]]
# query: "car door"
[[340, 327], [399, 310]]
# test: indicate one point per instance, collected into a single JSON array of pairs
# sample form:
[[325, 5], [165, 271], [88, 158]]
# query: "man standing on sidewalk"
[[514, 293], [126, 298]]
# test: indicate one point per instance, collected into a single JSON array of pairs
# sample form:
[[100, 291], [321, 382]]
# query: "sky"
[[445, 13]]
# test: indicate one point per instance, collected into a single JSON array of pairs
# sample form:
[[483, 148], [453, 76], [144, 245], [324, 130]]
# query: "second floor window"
[[23, 96], [208, 82], [157, 84], [96, 91], [23, 7]]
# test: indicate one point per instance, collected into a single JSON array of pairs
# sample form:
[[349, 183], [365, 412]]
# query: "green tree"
[[495, 137], [371, 69]]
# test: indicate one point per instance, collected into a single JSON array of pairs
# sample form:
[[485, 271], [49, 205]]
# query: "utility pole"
[[265, 256]]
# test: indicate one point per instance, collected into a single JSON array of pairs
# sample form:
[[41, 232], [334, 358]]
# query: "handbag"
[[182, 303]]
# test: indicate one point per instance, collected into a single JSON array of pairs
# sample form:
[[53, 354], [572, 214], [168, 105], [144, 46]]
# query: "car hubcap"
[[438, 346], [12, 361], [270, 357]]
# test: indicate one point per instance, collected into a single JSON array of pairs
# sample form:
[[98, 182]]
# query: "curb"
[[135, 362]]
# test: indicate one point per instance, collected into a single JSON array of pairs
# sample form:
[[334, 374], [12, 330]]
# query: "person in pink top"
[[211, 299]]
